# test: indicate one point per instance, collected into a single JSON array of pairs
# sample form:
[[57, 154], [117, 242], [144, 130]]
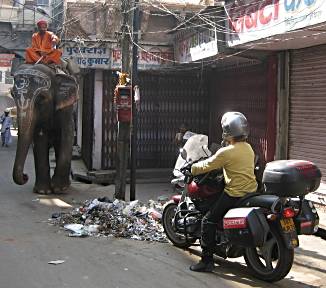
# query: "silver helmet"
[[234, 125]]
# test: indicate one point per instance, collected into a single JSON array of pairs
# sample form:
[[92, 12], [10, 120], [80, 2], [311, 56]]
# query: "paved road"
[[28, 243]]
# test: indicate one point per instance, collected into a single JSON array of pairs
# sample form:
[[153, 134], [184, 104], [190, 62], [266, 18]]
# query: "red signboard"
[[6, 59]]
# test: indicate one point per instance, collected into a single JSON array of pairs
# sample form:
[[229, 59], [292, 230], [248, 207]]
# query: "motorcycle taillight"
[[288, 213]]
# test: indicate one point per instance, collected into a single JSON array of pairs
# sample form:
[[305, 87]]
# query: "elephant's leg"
[[42, 165], [63, 141]]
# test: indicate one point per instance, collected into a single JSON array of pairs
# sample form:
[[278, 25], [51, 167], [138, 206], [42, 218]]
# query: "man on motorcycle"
[[237, 161]]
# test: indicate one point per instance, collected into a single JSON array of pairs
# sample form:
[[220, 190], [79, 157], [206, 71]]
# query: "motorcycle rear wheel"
[[273, 261], [169, 229]]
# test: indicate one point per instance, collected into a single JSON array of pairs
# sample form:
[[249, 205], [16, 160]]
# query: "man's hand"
[[186, 170], [54, 40]]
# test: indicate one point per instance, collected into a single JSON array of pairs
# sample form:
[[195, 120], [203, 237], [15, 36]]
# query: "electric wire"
[[220, 57], [251, 46], [224, 30], [164, 9], [207, 22]]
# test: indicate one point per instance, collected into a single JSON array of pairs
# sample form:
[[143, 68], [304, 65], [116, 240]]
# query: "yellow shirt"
[[237, 161]]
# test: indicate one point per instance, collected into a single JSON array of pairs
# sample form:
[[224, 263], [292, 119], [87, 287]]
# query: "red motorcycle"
[[263, 228]]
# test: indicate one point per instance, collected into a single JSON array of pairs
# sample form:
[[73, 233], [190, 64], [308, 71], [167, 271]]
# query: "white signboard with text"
[[110, 57], [89, 57], [148, 57], [197, 46], [250, 20]]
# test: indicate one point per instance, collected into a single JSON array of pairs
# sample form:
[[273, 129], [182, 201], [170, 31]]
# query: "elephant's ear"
[[67, 91]]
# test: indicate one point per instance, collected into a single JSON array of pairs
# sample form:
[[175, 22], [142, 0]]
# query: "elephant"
[[45, 102]]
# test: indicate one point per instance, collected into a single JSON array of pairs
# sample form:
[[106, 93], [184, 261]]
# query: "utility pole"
[[123, 127], [134, 81]]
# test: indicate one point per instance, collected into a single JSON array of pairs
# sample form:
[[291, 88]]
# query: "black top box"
[[291, 178]]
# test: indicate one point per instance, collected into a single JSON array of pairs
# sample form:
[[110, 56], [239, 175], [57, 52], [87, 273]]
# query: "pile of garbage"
[[103, 217]]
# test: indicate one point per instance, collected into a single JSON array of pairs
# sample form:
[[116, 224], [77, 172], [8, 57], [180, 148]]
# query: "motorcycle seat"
[[271, 202], [248, 196]]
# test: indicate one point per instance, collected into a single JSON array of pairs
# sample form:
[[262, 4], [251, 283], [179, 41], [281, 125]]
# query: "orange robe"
[[43, 44]]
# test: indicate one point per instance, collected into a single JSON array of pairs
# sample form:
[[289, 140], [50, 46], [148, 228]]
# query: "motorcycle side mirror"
[[183, 154]]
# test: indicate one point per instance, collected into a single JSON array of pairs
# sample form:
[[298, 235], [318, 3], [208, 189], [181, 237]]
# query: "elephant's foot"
[[60, 190], [42, 190], [59, 187]]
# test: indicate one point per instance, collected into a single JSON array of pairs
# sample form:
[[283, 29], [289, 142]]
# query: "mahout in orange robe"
[[43, 45]]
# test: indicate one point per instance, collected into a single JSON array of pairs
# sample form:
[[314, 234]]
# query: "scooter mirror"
[[183, 154]]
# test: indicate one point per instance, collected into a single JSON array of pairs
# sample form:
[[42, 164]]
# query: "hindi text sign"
[[89, 57], [251, 20]]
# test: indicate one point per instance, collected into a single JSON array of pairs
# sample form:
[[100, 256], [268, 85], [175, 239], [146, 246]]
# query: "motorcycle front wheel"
[[168, 224], [271, 262]]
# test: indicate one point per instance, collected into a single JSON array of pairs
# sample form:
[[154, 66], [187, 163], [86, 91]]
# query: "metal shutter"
[[307, 133], [167, 100], [252, 91]]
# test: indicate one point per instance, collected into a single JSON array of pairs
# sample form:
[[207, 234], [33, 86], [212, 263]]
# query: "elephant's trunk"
[[25, 136]]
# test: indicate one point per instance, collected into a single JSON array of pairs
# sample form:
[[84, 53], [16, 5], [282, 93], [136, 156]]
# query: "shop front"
[[293, 29], [168, 99], [237, 81]]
